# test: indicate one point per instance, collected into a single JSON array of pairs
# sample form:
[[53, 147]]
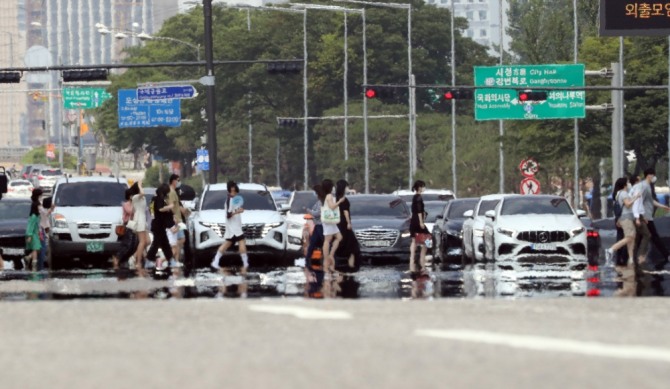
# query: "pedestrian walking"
[[331, 232], [648, 203], [176, 239], [349, 246], [129, 238], [234, 233], [162, 222], [417, 226], [33, 232], [139, 223], [316, 238], [624, 219], [46, 208]]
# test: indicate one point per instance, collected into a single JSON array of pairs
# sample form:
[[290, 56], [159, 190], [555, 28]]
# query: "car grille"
[[13, 241], [543, 236], [377, 237], [251, 231], [95, 236], [101, 226]]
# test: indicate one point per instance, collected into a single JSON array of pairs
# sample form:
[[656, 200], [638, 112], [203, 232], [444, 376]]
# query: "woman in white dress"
[[331, 232], [139, 224]]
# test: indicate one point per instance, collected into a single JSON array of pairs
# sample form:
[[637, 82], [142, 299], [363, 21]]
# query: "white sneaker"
[[131, 262], [215, 264]]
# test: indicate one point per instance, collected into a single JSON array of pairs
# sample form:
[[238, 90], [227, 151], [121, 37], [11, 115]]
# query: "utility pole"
[[211, 99], [617, 140]]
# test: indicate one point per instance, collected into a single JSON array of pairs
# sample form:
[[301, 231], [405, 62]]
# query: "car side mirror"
[[196, 201], [469, 214], [491, 214], [439, 217], [284, 208], [581, 213]]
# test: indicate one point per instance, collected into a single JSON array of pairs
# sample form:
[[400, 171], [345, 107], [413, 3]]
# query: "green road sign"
[[84, 98], [503, 103]]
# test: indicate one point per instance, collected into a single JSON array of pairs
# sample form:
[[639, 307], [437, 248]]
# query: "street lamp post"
[[143, 36], [346, 108], [11, 103], [412, 107]]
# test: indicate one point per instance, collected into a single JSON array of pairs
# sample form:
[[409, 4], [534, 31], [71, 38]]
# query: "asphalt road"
[[295, 343]]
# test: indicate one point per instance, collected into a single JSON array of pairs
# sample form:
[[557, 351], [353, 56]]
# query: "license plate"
[[376, 243], [544, 246], [7, 251], [95, 247]]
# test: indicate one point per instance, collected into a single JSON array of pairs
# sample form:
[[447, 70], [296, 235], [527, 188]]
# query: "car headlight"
[[405, 234], [576, 231], [269, 226], [478, 232], [455, 233], [294, 226], [59, 221], [506, 231]]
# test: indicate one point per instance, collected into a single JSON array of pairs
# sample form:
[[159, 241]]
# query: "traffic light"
[[458, 94], [380, 93], [291, 123], [529, 95], [84, 75], [10, 77], [284, 67]]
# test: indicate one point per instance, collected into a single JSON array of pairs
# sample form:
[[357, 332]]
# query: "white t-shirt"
[[234, 223], [140, 212]]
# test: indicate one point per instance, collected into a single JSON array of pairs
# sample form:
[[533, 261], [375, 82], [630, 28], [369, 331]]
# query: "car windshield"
[[51, 173], [10, 210], [433, 208], [383, 207], [253, 200], [458, 208], [90, 194], [536, 206], [19, 183], [302, 200], [487, 205]]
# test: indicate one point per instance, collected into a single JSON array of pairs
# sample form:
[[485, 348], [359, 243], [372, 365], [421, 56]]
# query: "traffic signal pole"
[[211, 99], [617, 130]]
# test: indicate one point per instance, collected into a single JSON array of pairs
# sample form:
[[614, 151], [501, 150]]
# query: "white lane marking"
[[540, 343], [301, 313]]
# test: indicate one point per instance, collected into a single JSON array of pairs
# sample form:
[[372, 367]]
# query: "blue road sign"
[[166, 92], [147, 113], [202, 159]]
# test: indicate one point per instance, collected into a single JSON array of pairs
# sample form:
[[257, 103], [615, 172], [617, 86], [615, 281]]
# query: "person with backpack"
[[623, 218]]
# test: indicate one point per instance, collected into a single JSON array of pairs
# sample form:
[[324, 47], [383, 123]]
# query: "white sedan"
[[19, 189], [534, 229]]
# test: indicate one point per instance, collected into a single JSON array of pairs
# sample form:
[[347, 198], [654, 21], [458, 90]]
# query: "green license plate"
[[95, 247]]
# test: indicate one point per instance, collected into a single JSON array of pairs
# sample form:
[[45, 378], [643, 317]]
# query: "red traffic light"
[[458, 94], [532, 96], [370, 93], [448, 95]]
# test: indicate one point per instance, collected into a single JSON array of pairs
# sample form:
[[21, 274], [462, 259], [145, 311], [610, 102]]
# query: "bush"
[[39, 156], [151, 177]]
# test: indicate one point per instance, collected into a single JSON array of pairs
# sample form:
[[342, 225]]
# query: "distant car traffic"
[[45, 178], [535, 229], [13, 223], [426, 195], [381, 225], [473, 227], [264, 227], [19, 189], [448, 230]]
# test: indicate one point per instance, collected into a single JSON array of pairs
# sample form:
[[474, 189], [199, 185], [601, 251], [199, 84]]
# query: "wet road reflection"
[[488, 280]]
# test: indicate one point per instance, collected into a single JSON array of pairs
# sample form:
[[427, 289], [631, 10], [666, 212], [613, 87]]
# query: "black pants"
[[188, 259], [622, 253], [657, 239], [160, 241]]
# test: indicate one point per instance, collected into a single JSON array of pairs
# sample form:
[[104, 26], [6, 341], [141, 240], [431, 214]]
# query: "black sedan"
[[592, 240], [381, 225], [448, 230], [13, 222]]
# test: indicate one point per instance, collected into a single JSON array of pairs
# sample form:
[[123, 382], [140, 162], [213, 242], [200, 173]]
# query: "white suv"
[[535, 229], [264, 227], [83, 224]]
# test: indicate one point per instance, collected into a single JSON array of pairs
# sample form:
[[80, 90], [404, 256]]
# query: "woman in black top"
[[349, 246], [163, 219], [417, 225]]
